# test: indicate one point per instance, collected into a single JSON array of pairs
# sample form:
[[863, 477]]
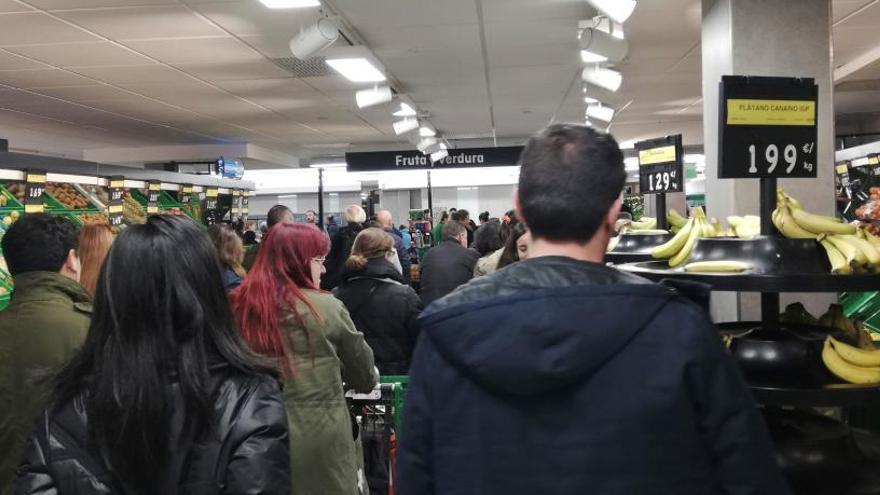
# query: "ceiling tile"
[[11, 61], [91, 54], [866, 19], [33, 27], [42, 78], [197, 51], [253, 18], [168, 21], [258, 68], [91, 4], [382, 14], [136, 74], [13, 6], [87, 93]]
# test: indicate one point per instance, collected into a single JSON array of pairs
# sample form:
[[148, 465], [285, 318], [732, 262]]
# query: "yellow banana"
[[675, 219], [820, 225], [669, 248], [612, 243], [846, 371], [748, 231], [716, 227], [873, 239], [646, 223], [648, 232], [685, 251], [716, 267], [789, 227], [753, 219], [735, 221], [839, 263], [851, 252], [855, 355], [866, 248]]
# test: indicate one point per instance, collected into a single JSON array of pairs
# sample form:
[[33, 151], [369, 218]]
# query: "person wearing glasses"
[[283, 314]]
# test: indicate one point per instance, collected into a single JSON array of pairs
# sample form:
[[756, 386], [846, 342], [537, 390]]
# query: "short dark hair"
[[459, 215], [487, 238], [451, 230], [39, 242], [484, 217], [570, 176], [276, 214]]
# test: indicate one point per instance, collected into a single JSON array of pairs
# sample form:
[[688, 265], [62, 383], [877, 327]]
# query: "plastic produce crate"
[[863, 306]]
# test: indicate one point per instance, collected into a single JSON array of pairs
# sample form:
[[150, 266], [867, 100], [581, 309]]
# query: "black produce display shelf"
[[633, 248], [783, 366], [777, 264]]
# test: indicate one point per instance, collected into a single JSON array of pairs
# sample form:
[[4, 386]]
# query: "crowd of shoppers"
[[169, 361]]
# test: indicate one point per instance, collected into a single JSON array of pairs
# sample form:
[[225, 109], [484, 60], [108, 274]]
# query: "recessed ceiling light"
[[405, 111], [358, 70], [427, 132], [290, 4]]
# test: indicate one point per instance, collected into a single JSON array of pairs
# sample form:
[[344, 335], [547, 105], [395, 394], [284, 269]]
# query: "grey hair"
[[355, 214]]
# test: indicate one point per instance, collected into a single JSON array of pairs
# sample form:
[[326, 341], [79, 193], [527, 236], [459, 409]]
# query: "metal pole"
[[767, 205], [320, 222], [661, 211], [430, 200]]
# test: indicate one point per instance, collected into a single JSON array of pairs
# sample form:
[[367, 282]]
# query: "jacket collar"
[[377, 268], [40, 285]]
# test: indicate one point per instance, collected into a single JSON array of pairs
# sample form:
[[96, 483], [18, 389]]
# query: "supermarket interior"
[[749, 155]]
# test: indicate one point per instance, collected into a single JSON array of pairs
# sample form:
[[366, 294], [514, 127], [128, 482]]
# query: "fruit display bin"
[[634, 247]]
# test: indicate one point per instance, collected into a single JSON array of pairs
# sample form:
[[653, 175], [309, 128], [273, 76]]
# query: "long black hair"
[[161, 316], [510, 255]]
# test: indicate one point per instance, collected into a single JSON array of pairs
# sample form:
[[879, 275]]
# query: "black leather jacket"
[[246, 451]]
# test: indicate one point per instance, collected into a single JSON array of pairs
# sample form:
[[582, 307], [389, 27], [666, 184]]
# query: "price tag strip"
[[154, 188], [186, 192], [34, 190], [211, 205], [114, 209], [661, 167], [245, 200], [768, 127]]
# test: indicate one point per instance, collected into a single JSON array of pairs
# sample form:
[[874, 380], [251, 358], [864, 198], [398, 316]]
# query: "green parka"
[[329, 352], [46, 322]]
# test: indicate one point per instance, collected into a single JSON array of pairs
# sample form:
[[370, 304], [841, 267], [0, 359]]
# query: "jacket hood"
[[543, 324], [41, 285], [378, 268]]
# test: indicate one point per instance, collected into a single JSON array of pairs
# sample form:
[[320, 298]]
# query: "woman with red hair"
[[283, 314]]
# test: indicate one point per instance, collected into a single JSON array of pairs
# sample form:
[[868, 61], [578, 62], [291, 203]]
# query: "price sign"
[[842, 171], [211, 203], [34, 189], [114, 209], [153, 189], [660, 165], [767, 128]]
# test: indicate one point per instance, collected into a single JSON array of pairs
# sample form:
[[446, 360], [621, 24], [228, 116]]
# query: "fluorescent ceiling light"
[[604, 78], [290, 4], [374, 96], [425, 131], [341, 164], [358, 70], [616, 10], [600, 112], [599, 46], [439, 155], [406, 125], [405, 111]]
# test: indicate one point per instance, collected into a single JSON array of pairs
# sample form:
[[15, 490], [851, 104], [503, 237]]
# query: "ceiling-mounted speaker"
[[315, 38]]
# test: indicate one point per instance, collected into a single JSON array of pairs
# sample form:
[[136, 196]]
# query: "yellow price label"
[[873, 160], [33, 209], [187, 190], [36, 178], [115, 209], [212, 193], [155, 186], [771, 112], [653, 156], [842, 169], [116, 184]]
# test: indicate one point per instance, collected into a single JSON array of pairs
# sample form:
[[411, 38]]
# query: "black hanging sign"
[[211, 205], [661, 168], [34, 190], [154, 187], [767, 127], [376, 161], [115, 207]]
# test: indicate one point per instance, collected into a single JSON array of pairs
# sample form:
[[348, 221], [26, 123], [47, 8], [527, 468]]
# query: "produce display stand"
[[634, 247]]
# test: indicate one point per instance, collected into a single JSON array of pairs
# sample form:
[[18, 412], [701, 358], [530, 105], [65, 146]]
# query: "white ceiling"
[[91, 74]]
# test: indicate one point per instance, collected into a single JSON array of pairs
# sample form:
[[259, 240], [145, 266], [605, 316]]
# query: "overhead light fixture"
[[405, 111], [429, 145], [589, 100], [600, 112], [313, 39], [378, 95], [425, 131], [358, 70], [290, 4], [604, 78], [599, 46], [334, 164], [439, 155], [616, 10], [587, 122], [406, 125]]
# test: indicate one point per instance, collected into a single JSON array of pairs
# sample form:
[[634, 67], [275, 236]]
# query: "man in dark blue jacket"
[[560, 375]]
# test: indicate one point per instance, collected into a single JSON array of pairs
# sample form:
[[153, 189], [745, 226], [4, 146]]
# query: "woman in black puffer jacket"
[[163, 397], [340, 247], [381, 305]]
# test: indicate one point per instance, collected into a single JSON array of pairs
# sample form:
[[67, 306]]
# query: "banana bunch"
[[851, 364], [646, 223], [612, 243], [675, 220], [678, 249], [746, 227], [849, 253], [794, 222], [852, 332]]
